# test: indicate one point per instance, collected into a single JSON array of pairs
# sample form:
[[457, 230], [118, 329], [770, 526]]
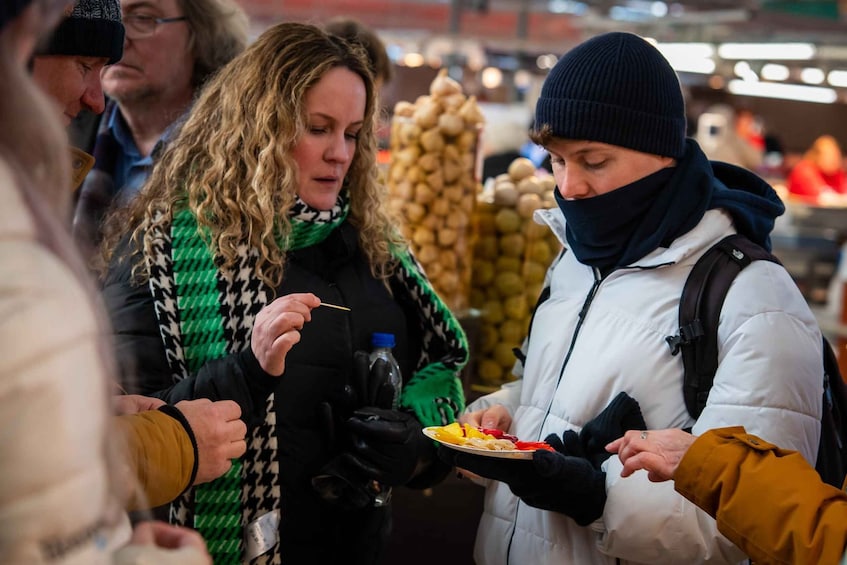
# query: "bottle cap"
[[382, 340]]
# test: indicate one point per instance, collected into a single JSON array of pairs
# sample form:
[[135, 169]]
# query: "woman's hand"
[[657, 451], [277, 329], [496, 417]]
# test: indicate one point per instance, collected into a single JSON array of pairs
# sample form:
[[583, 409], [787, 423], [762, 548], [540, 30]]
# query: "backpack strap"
[[699, 313]]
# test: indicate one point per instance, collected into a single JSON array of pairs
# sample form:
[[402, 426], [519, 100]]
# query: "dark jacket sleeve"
[[143, 362], [768, 501]]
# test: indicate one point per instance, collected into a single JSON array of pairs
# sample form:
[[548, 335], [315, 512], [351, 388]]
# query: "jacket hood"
[[753, 204]]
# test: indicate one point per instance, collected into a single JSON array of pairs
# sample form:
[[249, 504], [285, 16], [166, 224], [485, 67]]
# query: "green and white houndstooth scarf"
[[207, 313]]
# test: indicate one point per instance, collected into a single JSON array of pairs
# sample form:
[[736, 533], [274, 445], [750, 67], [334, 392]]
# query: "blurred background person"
[[719, 137], [172, 47], [819, 178], [64, 481], [355, 31], [768, 501]]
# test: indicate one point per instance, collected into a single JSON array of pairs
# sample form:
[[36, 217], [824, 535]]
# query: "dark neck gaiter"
[[619, 227]]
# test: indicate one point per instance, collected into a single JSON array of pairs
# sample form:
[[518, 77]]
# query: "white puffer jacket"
[[55, 503], [769, 381]]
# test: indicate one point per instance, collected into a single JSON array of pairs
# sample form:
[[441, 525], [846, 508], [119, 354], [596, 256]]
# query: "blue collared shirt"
[[131, 168]]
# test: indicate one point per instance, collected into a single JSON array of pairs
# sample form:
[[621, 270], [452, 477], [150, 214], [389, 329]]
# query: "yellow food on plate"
[[464, 434]]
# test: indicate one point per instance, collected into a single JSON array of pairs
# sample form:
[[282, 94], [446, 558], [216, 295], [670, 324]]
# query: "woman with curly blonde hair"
[[265, 206]]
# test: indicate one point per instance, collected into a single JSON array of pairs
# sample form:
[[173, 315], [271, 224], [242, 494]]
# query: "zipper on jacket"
[[598, 278], [583, 312]]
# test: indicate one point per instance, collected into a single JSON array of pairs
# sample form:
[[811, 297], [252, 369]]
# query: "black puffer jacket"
[[317, 369]]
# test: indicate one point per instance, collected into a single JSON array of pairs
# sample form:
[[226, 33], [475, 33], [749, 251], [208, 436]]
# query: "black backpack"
[[699, 312]]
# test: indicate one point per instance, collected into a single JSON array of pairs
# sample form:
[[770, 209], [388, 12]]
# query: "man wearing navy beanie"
[[638, 204], [619, 89], [67, 66], [92, 29]]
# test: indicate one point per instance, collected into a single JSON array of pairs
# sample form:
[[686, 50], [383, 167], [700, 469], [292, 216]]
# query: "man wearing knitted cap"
[[638, 204], [67, 67]]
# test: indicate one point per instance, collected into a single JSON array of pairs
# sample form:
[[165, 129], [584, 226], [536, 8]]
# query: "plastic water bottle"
[[381, 346]]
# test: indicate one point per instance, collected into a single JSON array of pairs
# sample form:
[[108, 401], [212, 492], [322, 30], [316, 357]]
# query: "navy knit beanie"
[[93, 29], [9, 10], [615, 88]]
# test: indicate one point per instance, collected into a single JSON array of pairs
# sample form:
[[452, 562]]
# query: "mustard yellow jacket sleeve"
[[161, 454], [768, 501]]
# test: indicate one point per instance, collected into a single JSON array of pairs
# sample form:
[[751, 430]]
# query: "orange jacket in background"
[[160, 454], [768, 501]]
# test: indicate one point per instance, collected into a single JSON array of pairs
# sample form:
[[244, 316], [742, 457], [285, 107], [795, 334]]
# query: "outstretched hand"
[[657, 451]]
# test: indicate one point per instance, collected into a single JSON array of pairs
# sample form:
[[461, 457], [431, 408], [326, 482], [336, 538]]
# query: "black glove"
[[341, 483], [551, 480], [387, 444], [565, 484], [621, 415], [344, 480], [567, 480]]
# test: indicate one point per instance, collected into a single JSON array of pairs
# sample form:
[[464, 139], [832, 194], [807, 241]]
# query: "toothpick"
[[346, 309]]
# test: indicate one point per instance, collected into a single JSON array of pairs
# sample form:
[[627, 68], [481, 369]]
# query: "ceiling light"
[[812, 75], [784, 91], [413, 59], [700, 66], [546, 62], [837, 78], [523, 79], [689, 57], [772, 71], [767, 51], [688, 50], [743, 70], [567, 7], [492, 77]]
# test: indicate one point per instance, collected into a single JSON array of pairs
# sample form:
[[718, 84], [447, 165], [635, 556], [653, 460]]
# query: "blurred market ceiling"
[[550, 23], [729, 44]]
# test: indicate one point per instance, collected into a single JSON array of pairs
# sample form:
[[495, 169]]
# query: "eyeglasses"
[[138, 26]]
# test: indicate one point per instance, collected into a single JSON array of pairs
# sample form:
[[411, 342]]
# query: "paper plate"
[[498, 453]]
